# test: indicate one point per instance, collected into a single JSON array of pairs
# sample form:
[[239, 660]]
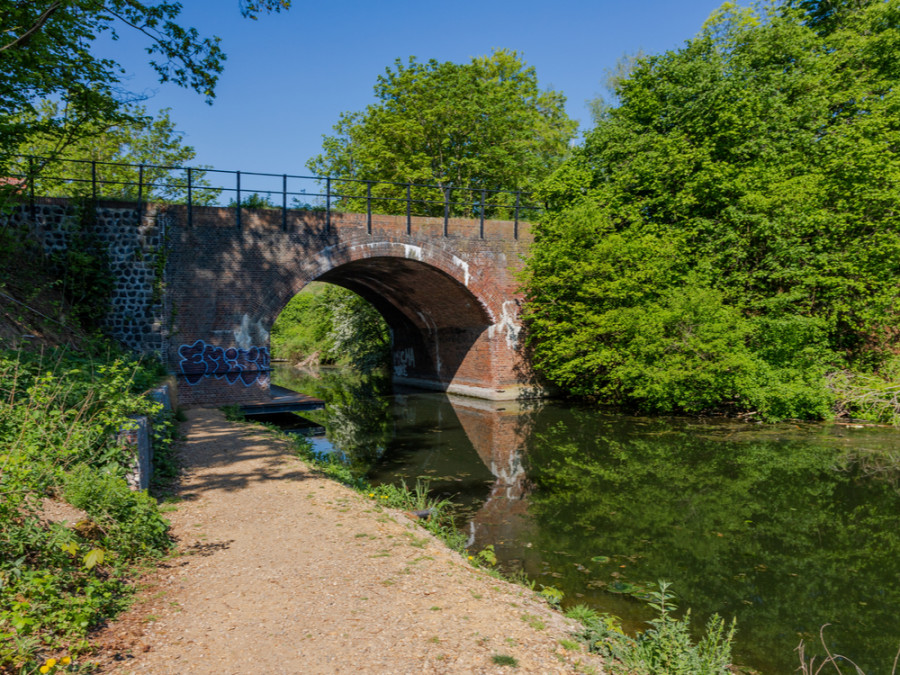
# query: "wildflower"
[[45, 669], [471, 557], [371, 494], [50, 663], [66, 660]]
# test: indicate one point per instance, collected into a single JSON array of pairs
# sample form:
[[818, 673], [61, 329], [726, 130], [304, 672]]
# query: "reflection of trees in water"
[[356, 415], [770, 531]]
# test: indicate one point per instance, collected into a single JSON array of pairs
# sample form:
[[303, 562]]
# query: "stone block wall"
[[135, 240]]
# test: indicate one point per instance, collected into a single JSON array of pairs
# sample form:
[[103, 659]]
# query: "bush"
[[128, 520], [666, 648], [59, 414]]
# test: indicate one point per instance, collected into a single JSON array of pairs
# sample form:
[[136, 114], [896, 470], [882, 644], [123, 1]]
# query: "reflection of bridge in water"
[[499, 432], [438, 445]]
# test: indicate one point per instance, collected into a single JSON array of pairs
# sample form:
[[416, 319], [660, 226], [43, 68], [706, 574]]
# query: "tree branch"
[[26, 36]]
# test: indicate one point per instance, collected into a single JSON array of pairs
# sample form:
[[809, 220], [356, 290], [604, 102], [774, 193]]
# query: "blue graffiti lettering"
[[201, 360]]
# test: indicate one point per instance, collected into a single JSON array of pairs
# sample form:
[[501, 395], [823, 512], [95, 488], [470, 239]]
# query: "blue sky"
[[289, 76]]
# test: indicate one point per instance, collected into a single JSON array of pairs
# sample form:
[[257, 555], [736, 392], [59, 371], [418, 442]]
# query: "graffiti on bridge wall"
[[246, 366], [403, 359]]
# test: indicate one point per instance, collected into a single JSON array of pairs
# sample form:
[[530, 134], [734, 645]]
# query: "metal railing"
[[198, 186]]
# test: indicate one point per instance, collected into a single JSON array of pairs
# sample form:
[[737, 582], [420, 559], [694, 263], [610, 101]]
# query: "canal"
[[787, 527]]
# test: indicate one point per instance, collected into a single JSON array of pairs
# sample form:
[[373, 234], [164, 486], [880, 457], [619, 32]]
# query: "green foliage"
[[505, 660], [59, 416], [479, 125], [233, 413], [82, 272], [128, 520], [47, 54], [255, 201], [331, 325], [727, 234], [869, 396], [136, 139], [666, 648]]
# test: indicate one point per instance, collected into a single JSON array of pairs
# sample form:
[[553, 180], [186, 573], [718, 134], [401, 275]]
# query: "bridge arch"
[[441, 328]]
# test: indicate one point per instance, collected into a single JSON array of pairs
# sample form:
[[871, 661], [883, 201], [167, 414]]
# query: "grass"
[[505, 660]]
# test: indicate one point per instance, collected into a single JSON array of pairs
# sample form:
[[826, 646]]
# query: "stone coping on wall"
[[137, 434]]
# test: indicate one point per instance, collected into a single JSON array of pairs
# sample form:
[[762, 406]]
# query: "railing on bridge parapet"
[[193, 186]]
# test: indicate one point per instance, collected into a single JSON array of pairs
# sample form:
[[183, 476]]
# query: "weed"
[[505, 660], [570, 645], [809, 667], [665, 647], [552, 595], [534, 621]]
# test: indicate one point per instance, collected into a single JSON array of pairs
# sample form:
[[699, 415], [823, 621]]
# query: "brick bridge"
[[447, 289]]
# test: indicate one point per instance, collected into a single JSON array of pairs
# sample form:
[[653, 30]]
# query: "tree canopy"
[[479, 125], [46, 55], [729, 233], [119, 150]]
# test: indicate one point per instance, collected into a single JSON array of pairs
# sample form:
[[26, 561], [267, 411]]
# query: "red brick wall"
[[451, 301]]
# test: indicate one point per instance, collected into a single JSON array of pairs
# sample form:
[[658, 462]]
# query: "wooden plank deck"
[[283, 400]]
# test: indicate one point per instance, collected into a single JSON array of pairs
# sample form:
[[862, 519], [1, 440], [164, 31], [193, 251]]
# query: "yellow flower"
[[45, 669], [371, 494], [66, 660], [50, 663], [471, 557]]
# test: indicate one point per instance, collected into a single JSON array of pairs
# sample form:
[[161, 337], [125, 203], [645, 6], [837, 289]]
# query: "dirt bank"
[[283, 571]]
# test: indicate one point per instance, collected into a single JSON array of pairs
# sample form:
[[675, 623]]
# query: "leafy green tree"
[[329, 324], [461, 127], [45, 54], [735, 215], [120, 150]]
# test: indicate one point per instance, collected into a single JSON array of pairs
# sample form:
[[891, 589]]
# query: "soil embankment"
[[284, 571]]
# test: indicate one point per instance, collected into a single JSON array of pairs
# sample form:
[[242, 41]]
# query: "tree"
[[124, 155], [484, 125], [45, 55], [734, 217]]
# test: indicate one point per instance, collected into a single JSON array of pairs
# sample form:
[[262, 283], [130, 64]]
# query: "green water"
[[786, 527]]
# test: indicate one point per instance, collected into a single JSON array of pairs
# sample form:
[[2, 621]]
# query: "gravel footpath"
[[284, 571]]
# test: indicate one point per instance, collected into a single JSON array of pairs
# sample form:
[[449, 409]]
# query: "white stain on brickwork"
[[250, 333], [509, 324], [464, 266], [414, 252]]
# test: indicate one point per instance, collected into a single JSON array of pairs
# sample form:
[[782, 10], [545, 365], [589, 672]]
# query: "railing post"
[[368, 207], [140, 186], [284, 202], [237, 205], [328, 205], [94, 180], [190, 200], [481, 228], [408, 209], [31, 188], [516, 222], [446, 210]]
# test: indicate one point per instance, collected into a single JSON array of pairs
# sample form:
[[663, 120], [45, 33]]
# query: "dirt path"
[[283, 571]]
